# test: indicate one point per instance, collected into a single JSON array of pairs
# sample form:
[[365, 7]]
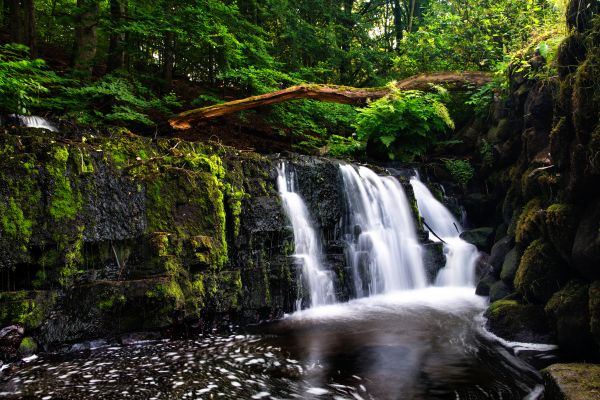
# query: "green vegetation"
[[461, 170], [405, 123]]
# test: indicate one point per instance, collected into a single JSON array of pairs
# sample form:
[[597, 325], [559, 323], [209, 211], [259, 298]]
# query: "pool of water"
[[422, 344]]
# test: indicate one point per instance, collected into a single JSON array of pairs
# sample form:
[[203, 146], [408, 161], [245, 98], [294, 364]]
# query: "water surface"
[[422, 344]]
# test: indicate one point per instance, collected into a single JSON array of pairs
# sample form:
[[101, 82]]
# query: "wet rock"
[[586, 245], [518, 322], [572, 382], [484, 284], [510, 266], [480, 237], [10, 339], [499, 290], [483, 266], [498, 252], [433, 259], [567, 311]]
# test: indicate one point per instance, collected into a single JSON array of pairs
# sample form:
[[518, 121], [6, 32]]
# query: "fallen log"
[[331, 93]]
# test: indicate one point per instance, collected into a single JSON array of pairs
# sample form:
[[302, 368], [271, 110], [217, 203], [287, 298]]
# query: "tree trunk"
[[169, 59], [86, 40], [30, 27], [398, 23], [330, 93], [347, 24], [116, 48], [15, 21]]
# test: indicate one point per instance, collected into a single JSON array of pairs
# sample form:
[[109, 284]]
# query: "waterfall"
[[307, 245], [383, 251], [34, 122], [460, 255]]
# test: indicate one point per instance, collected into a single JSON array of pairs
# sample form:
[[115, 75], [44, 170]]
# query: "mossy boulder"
[[572, 382], [518, 322], [586, 99], [561, 224], [541, 272], [571, 52], [530, 223], [28, 346], [568, 313]]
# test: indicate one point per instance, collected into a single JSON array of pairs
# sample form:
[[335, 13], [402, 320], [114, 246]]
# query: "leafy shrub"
[[114, 99], [405, 123], [23, 81], [461, 171], [339, 146]]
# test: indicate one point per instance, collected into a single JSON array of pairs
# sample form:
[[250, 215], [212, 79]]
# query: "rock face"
[[546, 253], [114, 234], [572, 382], [105, 236]]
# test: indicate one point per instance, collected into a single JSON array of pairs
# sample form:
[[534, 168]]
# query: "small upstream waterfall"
[[460, 255], [35, 122], [307, 246], [384, 253]]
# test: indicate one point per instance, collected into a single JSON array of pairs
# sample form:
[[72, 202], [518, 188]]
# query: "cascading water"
[[384, 253], [460, 255], [35, 122], [307, 246]]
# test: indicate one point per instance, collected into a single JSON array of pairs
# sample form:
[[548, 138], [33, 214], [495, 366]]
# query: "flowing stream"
[[460, 255]]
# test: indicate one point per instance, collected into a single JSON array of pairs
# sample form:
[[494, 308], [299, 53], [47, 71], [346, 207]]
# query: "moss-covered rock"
[[561, 224], [513, 321], [27, 346], [572, 382], [530, 223], [479, 237], [568, 314], [541, 272]]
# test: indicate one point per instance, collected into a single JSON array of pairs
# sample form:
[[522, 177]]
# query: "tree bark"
[[16, 26], [116, 50], [30, 27], [331, 93], [168, 59], [86, 40]]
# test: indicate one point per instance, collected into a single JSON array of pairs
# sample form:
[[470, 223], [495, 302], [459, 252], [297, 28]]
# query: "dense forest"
[[133, 64]]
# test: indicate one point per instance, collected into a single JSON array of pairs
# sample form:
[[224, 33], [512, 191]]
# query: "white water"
[[384, 253], [36, 122], [307, 246], [460, 255]]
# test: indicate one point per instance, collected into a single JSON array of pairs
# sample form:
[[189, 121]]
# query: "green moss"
[[65, 202], [27, 309], [529, 222], [27, 346], [112, 302], [14, 223], [540, 273], [561, 225], [568, 312]]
